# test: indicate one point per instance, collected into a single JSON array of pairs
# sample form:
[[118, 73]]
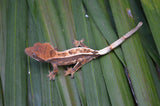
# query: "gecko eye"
[[34, 55]]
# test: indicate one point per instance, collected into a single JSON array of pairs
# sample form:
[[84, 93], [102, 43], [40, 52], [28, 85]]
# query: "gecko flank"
[[79, 55]]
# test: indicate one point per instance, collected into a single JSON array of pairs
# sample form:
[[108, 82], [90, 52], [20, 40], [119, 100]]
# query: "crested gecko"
[[79, 55]]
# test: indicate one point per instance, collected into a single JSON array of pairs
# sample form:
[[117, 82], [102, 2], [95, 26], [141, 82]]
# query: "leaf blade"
[[138, 67], [15, 74]]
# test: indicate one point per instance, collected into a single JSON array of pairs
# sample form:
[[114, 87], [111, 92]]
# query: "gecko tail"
[[120, 40]]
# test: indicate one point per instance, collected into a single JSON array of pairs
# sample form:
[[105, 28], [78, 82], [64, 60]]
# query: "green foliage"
[[101, 82]]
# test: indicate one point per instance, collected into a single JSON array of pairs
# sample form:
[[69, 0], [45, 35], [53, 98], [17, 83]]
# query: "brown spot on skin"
[[87, 50], [64, 54], [81, 51], [95, 52], [123, 37], [84, 50], [59, 54], [52, 53], [111, 47], [72, 51]]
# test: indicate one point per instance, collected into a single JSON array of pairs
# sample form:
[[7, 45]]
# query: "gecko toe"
[[72, 74], [68, 72], [76, 43], [52, 78], [51, 75]]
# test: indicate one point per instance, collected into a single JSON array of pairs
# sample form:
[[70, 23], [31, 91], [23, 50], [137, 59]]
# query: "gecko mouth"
[[28, 51]]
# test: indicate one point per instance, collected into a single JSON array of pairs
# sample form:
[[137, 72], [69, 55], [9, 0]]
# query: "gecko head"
[[41, 51]]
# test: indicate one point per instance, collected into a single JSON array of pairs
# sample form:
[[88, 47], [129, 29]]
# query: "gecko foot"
[[51, 75], [80, 43], [69, 72]]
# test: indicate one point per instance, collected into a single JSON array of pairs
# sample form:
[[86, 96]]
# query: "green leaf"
[[2, 40], [1, 94], [147, 42], [134, 55], [145, 32], [152, 12], [2, 49], [15, 67]]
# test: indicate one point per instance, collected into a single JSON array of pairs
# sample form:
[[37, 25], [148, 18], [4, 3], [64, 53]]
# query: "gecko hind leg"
[[71, 71], [53, 73], [80, 43]]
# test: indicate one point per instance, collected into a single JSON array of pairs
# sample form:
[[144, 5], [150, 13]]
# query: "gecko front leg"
[[79, 64], [53, 73]]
